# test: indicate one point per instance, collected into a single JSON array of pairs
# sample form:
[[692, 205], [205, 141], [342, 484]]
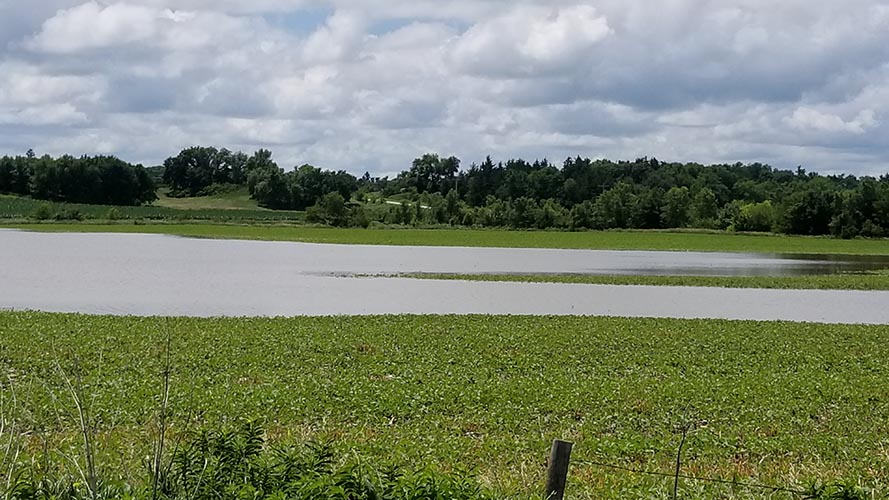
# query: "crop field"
[[775, 403], [18, 208], [878, 280], [605, 240]]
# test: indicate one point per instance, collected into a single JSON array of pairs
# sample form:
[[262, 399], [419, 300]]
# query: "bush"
[[68, 214], [43, 212]]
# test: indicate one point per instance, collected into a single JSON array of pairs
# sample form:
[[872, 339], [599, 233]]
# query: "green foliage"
[[705, 209], [238, 463], [43, 211], [304, 187], [26, 208], [103, 180], [641, 194], [199, 171], [676, 207], [810, 211], [773, 402], [754, 217], [331, 210]]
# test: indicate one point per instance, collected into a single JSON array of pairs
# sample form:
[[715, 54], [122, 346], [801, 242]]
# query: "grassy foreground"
[[862, 281], [777, 403], [610, 240]]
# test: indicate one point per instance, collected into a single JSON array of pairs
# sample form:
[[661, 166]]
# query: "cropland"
[[800, 406]]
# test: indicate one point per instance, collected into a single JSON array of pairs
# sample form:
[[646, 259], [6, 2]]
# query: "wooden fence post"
[[557, 472]]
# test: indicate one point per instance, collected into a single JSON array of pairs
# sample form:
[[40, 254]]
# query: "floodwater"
[[132, 274]]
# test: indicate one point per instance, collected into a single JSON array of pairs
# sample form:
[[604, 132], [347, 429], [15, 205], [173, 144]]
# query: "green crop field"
[[20, 209], [775, 403], [851, 281], [611, 240]]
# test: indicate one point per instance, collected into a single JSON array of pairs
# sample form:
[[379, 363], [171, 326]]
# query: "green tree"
[[705, 208], [614, 208], [755, 217], [676, 207]]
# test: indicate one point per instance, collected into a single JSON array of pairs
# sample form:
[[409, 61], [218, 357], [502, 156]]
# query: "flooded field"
[[132, 274]]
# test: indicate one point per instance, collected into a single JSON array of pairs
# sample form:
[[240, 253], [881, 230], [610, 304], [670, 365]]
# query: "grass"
[[17, 209], [858, 281], [233, 200], [775, 403], [611, 240]]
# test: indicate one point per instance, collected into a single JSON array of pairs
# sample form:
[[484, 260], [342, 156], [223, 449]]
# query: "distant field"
[[201, 209], [863, 281], [775, 403], [611, 240], [234, 200]]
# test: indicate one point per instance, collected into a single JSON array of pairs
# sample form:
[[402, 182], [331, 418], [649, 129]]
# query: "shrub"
[[43, 212]]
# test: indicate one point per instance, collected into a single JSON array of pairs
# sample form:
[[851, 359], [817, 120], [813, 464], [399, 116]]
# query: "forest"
[[579, 194], [100, 180]]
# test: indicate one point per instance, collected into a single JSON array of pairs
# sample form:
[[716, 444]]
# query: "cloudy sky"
[[370, 84]]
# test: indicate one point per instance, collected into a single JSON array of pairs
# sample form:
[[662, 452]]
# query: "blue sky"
[[370, 84]]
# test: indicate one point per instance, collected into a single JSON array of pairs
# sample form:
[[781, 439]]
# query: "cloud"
[[370, 84], [530, 41], [805, 118]]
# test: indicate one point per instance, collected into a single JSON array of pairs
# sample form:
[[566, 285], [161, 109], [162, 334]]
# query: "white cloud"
[[805, 118], [369, 84], [530, 41], [92, 26]]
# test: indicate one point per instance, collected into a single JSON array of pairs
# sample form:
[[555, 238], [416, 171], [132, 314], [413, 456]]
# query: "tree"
[[810, 211], [755, 217], [193, 170], [272, 190], [675, 212], [705, 208], [331, 210], [614, 208]]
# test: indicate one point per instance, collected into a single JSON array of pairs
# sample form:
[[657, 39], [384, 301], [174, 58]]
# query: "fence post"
[[557, 471]]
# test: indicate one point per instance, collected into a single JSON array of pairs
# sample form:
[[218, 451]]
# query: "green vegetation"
[[102, 180], [578, 195], [581, 194], [862, 281], [239, 463], [235, 198], [777, 403], [606, 240], [22, 209]]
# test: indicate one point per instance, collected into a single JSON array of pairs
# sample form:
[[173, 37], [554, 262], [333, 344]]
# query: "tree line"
[[583, 193], [99, 180], [580, 193]]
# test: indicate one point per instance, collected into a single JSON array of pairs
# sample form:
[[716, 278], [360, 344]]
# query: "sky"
[[368, 85]]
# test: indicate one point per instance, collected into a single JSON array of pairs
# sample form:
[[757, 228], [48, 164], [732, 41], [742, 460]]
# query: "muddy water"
[[162, 275]]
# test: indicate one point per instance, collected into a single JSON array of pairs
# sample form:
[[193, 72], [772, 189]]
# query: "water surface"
[[163, 275]]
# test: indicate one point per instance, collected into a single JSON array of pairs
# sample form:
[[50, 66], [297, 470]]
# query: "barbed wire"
[[803, 494]]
